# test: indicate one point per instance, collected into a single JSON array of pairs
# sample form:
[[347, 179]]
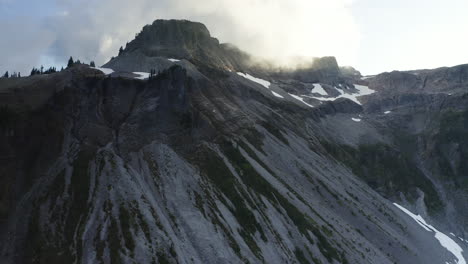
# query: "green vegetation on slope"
[[260, 186], [452, 134], [386, 171]]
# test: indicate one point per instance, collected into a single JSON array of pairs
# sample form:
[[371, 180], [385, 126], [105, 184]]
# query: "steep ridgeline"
[[213, 162]]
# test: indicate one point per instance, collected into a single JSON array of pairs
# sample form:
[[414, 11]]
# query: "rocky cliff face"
[[427, 119], [201, 164], [178, 40]]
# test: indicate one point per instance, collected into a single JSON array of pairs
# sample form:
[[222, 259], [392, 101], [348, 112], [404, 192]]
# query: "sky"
[[373, 36]]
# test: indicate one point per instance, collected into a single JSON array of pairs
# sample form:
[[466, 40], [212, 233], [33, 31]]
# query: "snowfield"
[[173, 60], [262, 82], [106, 71], [277, 95], [143, 75], [318, 89], [300, 99], [362, 90], [356, 119], [444, 240]]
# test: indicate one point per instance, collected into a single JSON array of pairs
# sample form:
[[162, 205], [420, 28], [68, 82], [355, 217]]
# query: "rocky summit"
[[215, 159]]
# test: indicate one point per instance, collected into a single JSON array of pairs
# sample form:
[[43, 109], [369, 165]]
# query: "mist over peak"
[[276, 31]]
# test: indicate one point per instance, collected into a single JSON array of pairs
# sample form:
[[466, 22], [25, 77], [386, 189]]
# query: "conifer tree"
[[70, 62]]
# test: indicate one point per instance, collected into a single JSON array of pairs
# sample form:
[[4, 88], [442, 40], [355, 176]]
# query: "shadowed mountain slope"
[[203, 164]]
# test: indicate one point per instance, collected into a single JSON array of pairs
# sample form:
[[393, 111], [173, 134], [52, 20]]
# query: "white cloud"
[[281, 29], [372, 36], [278, 29], [22, 45]]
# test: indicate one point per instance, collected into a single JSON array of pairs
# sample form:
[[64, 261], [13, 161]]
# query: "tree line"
[[13, 75], [42, 70], [71, 63]]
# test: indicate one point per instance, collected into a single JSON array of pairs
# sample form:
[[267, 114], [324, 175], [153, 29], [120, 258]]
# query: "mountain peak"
[[177, 39], [325, 63], [172, 38]]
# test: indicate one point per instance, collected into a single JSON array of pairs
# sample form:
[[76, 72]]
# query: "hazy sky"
[[370, 35]]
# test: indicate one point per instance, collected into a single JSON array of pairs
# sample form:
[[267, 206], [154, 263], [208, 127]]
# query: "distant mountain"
[[217, 159]]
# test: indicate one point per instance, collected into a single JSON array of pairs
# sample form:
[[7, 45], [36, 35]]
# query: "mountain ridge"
[[201, 164]]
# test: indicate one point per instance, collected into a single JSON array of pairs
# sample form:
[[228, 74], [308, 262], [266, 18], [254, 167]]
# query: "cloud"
[[281, 29], [22, 43], [274, 29]]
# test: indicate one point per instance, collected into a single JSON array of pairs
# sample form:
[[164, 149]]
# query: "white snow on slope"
[[362, 90], [277, 94], [387, 112], [173, 60], [444, 240], [356, 119], [143, 75], [318, 89], [106, 71], [300, 99], [262, 82]]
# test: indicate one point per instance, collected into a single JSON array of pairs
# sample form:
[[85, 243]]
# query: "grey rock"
[[201, 165]]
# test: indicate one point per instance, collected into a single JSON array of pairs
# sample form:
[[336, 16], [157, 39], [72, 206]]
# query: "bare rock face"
[[179, 40], [201, 164], [442, 80], [172, 38]]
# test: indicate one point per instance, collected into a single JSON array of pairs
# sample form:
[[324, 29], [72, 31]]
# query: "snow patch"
[[300, 99], [444, 240], [362, 90], [318, 89], [356, 119], [277, 95], [173, 60], [387, 112], [143, 75], [106, 71], [262, 82]]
